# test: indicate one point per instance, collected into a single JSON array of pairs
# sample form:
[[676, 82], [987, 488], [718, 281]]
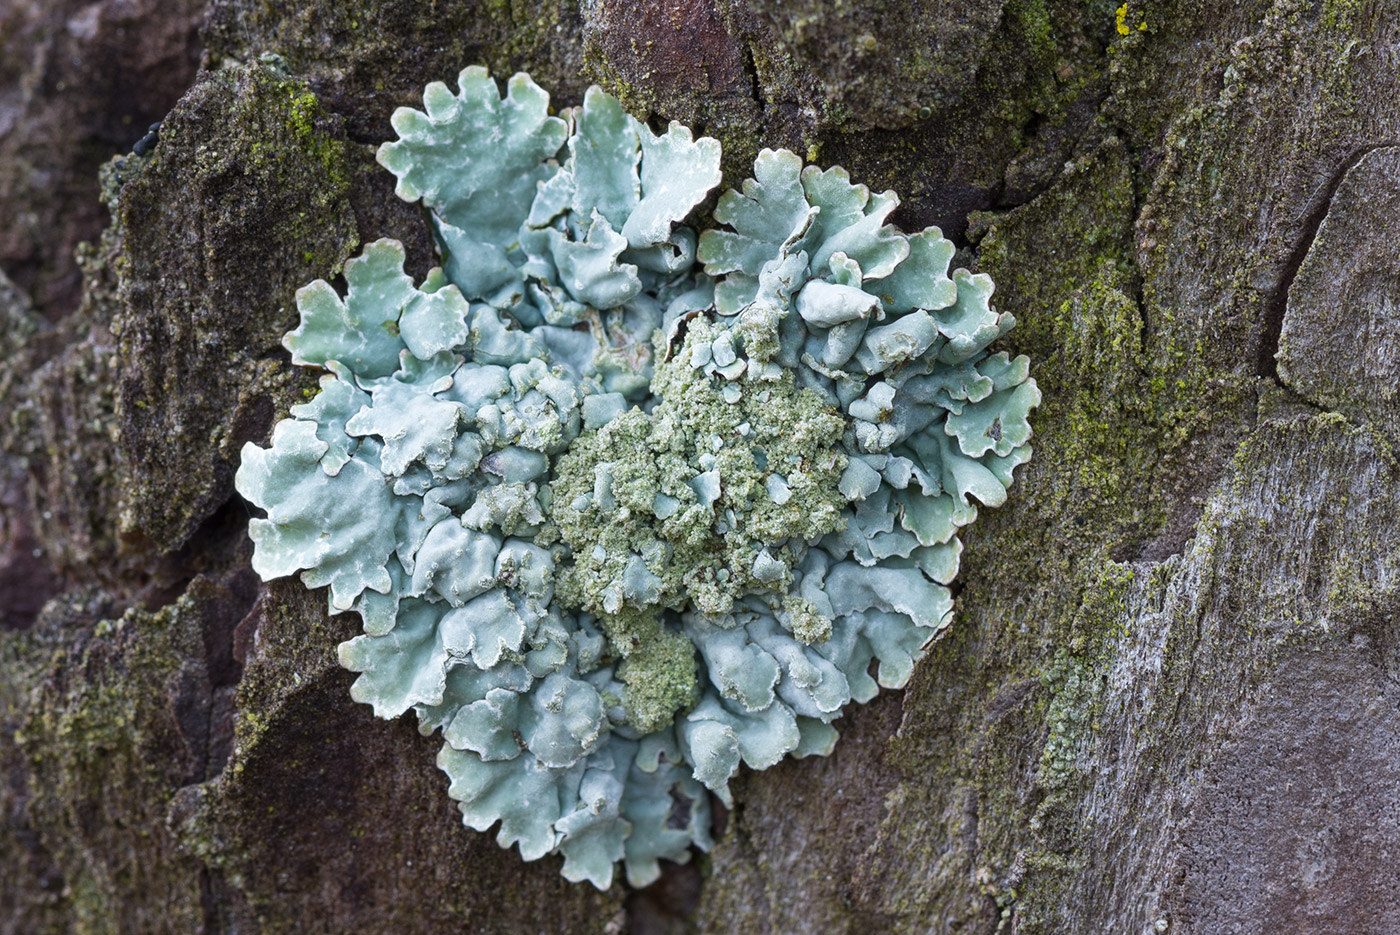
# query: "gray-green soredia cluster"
[[623, 505]]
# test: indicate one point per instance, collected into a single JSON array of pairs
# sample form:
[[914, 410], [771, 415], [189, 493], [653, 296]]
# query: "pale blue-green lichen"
[[623, 504]]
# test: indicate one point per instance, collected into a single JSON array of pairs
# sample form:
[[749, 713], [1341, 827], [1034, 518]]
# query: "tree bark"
[[1169, 699]]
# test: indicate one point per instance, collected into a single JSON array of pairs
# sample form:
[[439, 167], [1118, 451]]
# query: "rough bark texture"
[[1170, 700]]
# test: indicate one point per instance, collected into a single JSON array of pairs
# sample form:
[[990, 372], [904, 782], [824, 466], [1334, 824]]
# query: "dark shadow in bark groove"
[[1271, 319]]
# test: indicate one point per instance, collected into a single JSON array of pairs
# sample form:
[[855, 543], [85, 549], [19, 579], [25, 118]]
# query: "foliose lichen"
[[623, 505]]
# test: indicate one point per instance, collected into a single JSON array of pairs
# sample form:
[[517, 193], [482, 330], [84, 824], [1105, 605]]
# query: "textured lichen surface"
[[622, 505]]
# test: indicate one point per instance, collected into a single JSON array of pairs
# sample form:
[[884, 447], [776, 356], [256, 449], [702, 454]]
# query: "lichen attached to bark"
[[622, 505]]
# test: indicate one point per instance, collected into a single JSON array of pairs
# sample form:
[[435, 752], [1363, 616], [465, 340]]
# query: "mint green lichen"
[[621, 504]]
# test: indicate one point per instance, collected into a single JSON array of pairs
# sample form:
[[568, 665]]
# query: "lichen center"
[[713, 494]]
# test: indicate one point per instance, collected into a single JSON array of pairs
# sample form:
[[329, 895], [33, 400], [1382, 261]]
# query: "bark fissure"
[[751, 71], [1275, 304]]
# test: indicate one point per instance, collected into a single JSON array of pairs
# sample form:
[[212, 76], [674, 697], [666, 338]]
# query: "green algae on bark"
[[251, 160]]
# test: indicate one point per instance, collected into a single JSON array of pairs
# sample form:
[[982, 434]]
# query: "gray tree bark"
[[1169, 702]]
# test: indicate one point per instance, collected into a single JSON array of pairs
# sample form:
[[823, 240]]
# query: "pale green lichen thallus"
[[712, 495], [623, 504]]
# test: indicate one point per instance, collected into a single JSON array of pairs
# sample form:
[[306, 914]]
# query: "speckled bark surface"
[[1170, 694], [79, 81]]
